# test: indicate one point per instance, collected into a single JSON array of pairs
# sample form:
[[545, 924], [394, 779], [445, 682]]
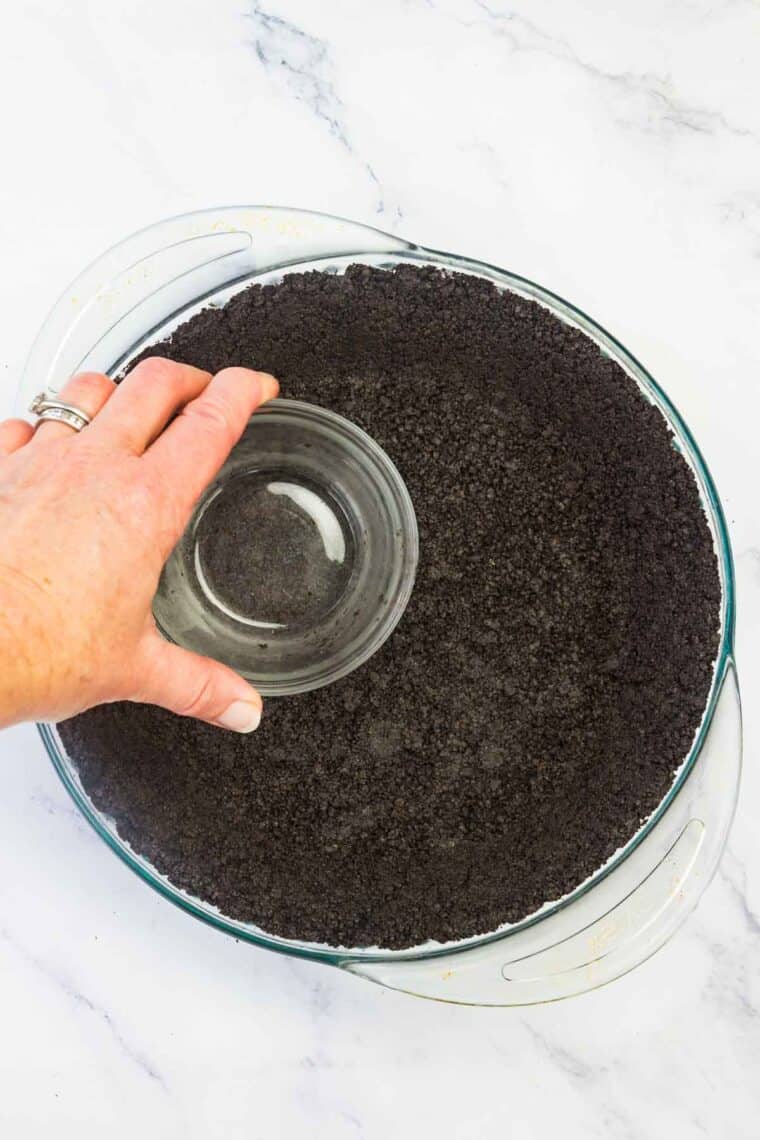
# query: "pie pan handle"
[[620, 922], [138, 284]]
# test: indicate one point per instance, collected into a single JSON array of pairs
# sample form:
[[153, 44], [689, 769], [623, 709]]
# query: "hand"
[[87, 521]]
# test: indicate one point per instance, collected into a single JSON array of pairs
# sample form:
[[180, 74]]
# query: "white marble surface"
[[608, 150]]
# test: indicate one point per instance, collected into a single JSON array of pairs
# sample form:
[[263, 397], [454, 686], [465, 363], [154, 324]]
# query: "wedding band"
[[58, 410]]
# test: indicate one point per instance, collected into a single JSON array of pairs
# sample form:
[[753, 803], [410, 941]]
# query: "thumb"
[[190, 685]]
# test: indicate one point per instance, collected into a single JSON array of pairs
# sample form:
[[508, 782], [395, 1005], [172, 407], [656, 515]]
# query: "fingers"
[[146, 400], [89, 391], [13, 435], [193, 448], [198, 687]]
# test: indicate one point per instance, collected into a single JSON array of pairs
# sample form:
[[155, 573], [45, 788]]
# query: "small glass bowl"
[[299, 559]]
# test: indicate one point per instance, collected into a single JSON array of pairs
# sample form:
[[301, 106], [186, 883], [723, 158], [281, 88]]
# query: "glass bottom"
[[273, 553]]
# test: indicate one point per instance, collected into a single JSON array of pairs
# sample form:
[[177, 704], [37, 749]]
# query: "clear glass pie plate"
[[136, 294]]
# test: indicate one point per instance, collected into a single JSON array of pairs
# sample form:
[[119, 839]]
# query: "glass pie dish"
[[136, 294]]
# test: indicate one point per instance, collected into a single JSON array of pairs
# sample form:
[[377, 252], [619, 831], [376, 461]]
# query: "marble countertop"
[[611, 152]]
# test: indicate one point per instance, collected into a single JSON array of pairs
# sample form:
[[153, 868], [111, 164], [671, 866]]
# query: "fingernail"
[[241, 716], [269, 387]]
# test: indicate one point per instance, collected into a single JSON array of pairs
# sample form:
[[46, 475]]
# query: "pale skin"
[[87, 521]]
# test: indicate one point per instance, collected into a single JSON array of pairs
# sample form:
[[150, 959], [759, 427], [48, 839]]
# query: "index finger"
[[193, 448]]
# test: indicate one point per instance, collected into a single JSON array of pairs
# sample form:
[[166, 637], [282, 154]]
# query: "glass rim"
[[403, 251]]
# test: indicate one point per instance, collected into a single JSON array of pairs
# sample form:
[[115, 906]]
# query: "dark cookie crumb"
[[545, 682]]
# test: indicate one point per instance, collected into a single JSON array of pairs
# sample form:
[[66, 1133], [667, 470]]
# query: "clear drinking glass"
[[136, 294], [325, 525]]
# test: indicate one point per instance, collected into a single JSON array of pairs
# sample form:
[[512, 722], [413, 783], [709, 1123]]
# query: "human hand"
[[87, 521]]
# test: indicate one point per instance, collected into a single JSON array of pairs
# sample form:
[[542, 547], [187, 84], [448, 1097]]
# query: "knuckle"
[[165, 506], [143, 500], [198, 702], [213, 414], [159, 370], [92, 386], [138, 503], [153, 505], [13, 434]]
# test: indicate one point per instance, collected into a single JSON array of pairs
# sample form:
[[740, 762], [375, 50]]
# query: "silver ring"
[[58, 410]]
